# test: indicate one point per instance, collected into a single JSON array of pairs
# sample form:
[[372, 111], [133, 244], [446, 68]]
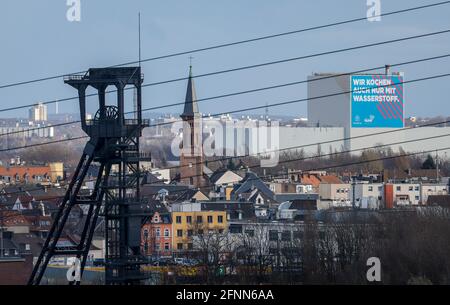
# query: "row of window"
[[398, 188], [158, 232], [179, 232], [26, 177], [189, 246], [199, 219], [370, 188], [189, 233], [285, 235], [274, 235], [406, 198], [157, 247], [410, 188]]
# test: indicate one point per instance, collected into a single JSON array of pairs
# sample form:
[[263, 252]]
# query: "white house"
[[367, 195], [432, 189]]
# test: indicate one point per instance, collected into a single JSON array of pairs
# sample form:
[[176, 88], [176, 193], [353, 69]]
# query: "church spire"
[[190, 104]]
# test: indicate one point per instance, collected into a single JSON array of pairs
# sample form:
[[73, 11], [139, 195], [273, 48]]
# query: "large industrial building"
[[346, 112], [366, 110], [351, 112]]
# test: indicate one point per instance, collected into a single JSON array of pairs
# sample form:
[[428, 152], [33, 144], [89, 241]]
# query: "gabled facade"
[[156, 235], [225, 178], [247, 186]]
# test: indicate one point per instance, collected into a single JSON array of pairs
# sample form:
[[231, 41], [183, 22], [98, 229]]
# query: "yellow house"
[[56, 171], [187, 224]]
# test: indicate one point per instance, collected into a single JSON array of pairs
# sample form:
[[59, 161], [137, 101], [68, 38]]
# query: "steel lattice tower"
[[114, 145]]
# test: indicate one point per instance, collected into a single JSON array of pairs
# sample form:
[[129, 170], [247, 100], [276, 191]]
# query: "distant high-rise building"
[[38, 113]]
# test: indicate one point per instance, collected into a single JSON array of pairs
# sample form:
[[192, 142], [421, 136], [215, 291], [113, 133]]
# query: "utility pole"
[[139, 34], [353, 192], [437, 167]]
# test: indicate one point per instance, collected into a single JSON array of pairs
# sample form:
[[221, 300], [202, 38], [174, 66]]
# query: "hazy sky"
[[38, 41]]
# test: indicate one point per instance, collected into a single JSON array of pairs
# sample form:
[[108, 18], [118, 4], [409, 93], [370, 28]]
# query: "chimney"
[[387, 69], [42, 208]]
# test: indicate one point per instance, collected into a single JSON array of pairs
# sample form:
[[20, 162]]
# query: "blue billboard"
[[377, 101]]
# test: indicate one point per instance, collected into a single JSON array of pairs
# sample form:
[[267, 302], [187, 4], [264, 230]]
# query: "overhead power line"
[[241, 92], [249, 108], [293, 172], [248, 67], [240, 42], [329, 166]]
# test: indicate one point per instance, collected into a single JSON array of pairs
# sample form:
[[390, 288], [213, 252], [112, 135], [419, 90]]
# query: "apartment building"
[[368, 195], [156, 235], [430, 189], [402, 194], [189, 220], [22, 173], [334, 195]]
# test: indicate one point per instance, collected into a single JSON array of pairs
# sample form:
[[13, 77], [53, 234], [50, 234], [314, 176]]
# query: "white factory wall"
[[306, 138], [302, 136], [370, 138]]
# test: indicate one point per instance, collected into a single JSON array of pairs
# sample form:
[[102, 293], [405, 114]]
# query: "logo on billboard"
[[377, 101]]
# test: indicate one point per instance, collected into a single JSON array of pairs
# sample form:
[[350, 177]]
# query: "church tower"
[[191, 159]]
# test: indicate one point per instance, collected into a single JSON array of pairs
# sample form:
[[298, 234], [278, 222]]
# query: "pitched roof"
[[27, 193], [151, 190], [310, 179], [17, 189], [295, 196], [50, 193], [35, 242], [256, 192], [249, 183], [190, 104], [14, 218], [405, 174], [233, 208], [440, 200], [207, 171], [330, 179], [150, 178], [191, 193], [153, 206], [308, 204], [218, 174]]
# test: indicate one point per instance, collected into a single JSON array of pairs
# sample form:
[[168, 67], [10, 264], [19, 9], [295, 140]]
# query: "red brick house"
[[156, 233]]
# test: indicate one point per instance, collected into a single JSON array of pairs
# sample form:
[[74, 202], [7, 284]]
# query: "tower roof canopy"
[[190, 104]]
